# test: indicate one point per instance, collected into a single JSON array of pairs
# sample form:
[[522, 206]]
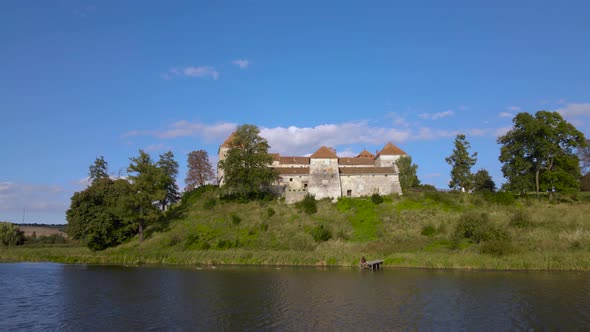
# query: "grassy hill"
[[440, 230]]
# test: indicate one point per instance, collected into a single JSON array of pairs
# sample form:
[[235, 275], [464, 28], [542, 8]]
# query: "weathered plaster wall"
[[324, 179], [366, 185]]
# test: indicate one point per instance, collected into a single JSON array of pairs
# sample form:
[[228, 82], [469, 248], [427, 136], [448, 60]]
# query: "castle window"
[[305, 185], [290, 179], [349, 193]]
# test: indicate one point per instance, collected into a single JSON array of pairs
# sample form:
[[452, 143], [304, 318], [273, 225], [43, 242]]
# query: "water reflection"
[[77, 297]]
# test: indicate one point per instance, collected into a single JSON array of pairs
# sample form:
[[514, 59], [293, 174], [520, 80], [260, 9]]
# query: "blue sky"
[[82, 79]]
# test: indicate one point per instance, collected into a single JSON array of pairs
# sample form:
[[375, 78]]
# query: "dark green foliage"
[[461, 163], [235, 219], [538, 153], [482, 181], [10, 235], [99, 170], [497, 247], [476, 227], [228, 244], [520, 219], [407, 173], [502, 198], [586, 182], [426, 187], [46, 239], [264, 227], [245, 167], [428, 230], [169, 170], [320, 233], [209, 203], [270, 212], [376, 199], [308, 204]]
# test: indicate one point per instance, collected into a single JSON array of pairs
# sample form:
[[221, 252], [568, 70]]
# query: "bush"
[[10, 235], [264, 227], [496, 247], [235, 219], [47, 239], [270, 212], [477, 228], [520, 219], [320, 233], [502, 197], [308, 204], [376, 199], [210, 203], [428, 230]]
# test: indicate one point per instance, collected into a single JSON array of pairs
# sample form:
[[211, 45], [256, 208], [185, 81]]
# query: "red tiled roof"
[[228, 141], [365, 170], [356, 161], [324, 152], [365, 154], [275, 156], [292, 170], [391, 150], [294, 160]]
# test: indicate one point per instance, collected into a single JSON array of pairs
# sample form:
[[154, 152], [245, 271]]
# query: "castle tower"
[[324, 177]]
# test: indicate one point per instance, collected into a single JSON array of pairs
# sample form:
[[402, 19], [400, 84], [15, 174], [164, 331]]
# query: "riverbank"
[[420, 230]]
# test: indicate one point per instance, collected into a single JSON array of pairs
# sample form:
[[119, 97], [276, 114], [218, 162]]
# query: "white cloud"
[[436, 116], [502, 131], [514, 108], [505, 115], [156, 147], [32, 197], [242, 63], [575, 110], [200, 71]]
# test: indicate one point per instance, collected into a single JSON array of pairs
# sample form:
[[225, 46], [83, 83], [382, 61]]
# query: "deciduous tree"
[[482, 181], [407, 173], [10, 235], [199, 170], [461, 163], [538, 153], [246, 165]]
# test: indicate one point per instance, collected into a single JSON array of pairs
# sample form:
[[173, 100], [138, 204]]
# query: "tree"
[[98, 170], [482, 181], [169, 167], [537, 153], [149, 187], [586, 182], [10, 235], [199, 170], [407, 173], [96, 216], [246, 166], [584, 155], [461, 163]]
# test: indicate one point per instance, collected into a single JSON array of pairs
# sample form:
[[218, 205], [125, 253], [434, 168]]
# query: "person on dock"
[[363, 262]]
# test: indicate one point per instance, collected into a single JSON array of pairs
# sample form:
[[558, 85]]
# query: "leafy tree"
[[246, 166], [99, 170], [584, 155], [537, 153], [199, 170], [407, 173], [586, 182], [10, 235], [95, 215], [169, 167], [461, 163], [482, 181], [149, 187]]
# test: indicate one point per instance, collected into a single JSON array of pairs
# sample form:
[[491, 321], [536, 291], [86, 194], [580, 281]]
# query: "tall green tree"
[[538, 153], [246, 165], [199, 170], [169, 168], [149, 187], [407, 173], [98, 170], [584, 155], [461, 163], [482, 181]]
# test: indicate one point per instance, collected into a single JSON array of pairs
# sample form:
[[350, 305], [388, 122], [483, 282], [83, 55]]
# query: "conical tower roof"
[[391, 150], [324, 152]]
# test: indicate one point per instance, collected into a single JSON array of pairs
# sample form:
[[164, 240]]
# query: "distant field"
[[41, 231]]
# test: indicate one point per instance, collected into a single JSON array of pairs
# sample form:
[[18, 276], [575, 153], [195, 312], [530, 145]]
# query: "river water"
[[46, 296]]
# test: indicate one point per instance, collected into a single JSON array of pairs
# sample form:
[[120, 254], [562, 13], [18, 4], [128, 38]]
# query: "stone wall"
[[324, 178], [366, 185]]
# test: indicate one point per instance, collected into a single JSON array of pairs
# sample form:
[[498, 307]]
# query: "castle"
[[325, 175]]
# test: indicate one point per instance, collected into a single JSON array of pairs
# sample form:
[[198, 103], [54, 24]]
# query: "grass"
[[416, 230]]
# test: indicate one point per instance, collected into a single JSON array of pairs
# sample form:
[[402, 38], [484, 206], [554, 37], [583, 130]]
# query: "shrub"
[[264, 227], [270, 212], [477, 227], [10, 235], [210, 203], [502, 197], [320, 233], [428, 230], [496, 247], [235, 219], [520, 219], [376, 199], [308, 204]]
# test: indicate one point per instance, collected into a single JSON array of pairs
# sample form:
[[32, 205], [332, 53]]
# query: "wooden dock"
[[372, 265]]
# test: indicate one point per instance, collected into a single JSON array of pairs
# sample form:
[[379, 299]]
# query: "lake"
[[46, 296]]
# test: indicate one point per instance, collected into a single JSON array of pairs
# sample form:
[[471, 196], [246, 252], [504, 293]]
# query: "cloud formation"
[[505, 115], [32, 197], [242, 63], [572, 109], [514, 108], [436, 116], [200, 71]]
